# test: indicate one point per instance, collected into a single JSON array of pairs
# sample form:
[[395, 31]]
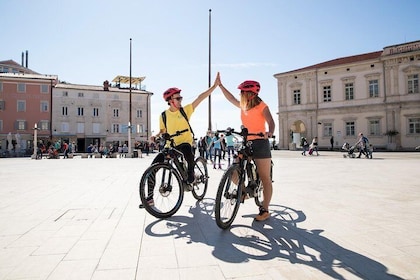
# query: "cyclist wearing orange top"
[[255, 115]]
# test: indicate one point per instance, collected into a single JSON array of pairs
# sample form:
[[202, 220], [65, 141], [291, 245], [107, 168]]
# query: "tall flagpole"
[[129, 110], [209, 68]]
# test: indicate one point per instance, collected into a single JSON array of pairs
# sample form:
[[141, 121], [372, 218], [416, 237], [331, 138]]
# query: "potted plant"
[[391, 145]]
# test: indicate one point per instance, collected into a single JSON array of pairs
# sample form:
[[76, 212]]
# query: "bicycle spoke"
[[164, 190], [228, 198]]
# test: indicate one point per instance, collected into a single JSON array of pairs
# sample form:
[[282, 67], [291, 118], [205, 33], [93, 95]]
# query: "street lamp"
[[129, 138], [129, 116], [34, 156]]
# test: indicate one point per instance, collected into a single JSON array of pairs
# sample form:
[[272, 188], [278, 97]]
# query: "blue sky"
[[87, 42]]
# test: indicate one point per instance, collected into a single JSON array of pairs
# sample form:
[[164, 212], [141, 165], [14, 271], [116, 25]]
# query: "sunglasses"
[[178, 98]]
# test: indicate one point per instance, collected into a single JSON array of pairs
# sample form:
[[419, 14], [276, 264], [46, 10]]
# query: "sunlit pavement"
[[331, 218]]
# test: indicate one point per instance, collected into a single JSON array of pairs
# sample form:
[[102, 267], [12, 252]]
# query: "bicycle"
[[240, 181], [163, 184]]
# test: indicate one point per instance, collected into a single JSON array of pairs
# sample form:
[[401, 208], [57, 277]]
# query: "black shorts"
[[261, 148]]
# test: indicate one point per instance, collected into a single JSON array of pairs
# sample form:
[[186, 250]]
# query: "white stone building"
[[374, 93], [86, 114]]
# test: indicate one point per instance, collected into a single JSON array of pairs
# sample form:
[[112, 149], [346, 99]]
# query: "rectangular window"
[[44, 125], [374, 128], [115, 128], [139, 114], [20, 125], [44, 88], [350, 129], [1, 86], [327, 93], [44, 106], [96, 128], [140, 128], [413, 83], [80, 128], [2, 105], [327, 129], [65, 93], [374, 88], [96, 112], [21, 87], [349, 91], [116, 113], [65, 127], [414, 125], [296, 97], [21, 106], [1, 125], [80, 94], [64, 111], [80, 111]]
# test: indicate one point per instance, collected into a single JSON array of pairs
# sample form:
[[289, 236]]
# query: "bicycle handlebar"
[[244, 132], [168, 136]]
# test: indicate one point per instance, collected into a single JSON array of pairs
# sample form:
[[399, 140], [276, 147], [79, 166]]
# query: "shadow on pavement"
[[278, 237]]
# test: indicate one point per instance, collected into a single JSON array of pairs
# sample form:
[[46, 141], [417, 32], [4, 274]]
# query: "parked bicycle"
[[239, 182], [163, 184]]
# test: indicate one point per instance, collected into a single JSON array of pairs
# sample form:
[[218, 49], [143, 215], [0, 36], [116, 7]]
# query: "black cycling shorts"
[[261, 148]]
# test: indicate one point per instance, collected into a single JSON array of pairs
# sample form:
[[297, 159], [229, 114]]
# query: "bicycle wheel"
[[228, 197], [201, 178], [259, 194], [161, 190]]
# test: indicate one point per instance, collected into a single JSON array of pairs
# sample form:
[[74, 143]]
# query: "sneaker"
[[263, 215], [150, 201], [244, 196], [191, 178]]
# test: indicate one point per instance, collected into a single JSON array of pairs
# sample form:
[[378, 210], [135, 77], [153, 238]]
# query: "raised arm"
[[270, 121], [229, 95], [205, 94]]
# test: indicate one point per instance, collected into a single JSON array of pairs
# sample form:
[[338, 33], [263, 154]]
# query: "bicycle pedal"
[[188, 187]]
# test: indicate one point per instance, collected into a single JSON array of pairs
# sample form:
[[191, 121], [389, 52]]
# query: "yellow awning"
[[126, 80]]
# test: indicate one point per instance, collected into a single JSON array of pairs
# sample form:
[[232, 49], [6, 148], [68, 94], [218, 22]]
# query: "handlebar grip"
[[178, 132]]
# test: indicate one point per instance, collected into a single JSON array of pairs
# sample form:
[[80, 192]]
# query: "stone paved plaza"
[[331, 218]]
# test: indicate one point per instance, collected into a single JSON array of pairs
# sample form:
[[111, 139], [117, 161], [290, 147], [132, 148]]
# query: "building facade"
[[84, 115], [80, 114], [25, 105], [374, 93]]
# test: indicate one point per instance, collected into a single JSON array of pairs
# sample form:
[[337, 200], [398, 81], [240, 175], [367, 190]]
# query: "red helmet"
[[253, 86], [169, 92]]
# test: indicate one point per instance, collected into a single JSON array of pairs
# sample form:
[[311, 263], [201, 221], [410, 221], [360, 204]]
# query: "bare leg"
[[264, 167]]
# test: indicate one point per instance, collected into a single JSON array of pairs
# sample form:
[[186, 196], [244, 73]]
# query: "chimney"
[[106, 85], [26, 59], [23, 57]]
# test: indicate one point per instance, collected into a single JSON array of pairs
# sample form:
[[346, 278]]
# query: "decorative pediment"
[[295, 85], [349, 79], [372, 76], [326, 82], [411, 69]]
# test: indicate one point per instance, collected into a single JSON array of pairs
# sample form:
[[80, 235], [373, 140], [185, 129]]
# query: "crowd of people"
[[54, 149]]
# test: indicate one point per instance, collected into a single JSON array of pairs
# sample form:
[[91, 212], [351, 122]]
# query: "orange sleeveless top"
[[254, 120]]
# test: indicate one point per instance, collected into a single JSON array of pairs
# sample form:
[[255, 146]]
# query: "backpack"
[[365, 141], [183, 114]]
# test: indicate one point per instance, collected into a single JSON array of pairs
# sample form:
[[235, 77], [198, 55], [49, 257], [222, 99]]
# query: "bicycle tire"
[[168, 197], [259, 194], [201, 178], [228, 197]]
